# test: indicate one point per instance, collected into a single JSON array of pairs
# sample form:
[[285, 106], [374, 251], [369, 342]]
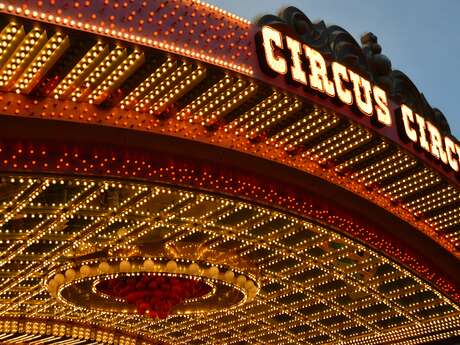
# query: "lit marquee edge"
[[280, 54]]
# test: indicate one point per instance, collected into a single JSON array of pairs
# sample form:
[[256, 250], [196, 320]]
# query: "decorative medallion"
[[190, 279]]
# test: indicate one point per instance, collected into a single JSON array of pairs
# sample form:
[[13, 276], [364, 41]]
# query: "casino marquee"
[[171, 173]]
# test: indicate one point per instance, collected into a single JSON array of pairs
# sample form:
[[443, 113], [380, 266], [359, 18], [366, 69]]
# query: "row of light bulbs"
[[114, 268], [188, 195]]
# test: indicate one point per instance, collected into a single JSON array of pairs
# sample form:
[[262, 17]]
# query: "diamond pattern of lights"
[[317, 287]]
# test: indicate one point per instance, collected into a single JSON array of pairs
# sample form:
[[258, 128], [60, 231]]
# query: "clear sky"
[[421, 37]]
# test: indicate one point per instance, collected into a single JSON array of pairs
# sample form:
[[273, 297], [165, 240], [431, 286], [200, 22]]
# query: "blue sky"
[[421, 37]]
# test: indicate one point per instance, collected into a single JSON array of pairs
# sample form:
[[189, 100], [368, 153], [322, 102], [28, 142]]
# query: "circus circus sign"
[[302, 65]]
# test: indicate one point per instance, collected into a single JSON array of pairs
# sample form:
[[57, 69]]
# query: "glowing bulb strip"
[[126, 68], [415, 185], [340, 143], [397, 156], [148, 84], [185, 85], [21, 190], [441, 217], [22, 57], [45, 59], [192, 108], [342, 148], [10, 37], [274, 97], [82, 69], [260, 116], [455, 236], [399, 185], [104, 68], [348, 134], [428, 199], [170, 81], [391, 165], [435, 199], [363, 156], [271, 117], [452, 218], [209, 108], [230, 104], [306, 124], [317, 129]]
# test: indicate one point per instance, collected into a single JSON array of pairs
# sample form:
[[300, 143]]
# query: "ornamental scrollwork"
[[335, 43]]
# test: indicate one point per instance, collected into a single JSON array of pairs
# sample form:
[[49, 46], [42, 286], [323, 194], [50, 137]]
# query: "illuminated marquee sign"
[[281, 54], [427, 136]]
